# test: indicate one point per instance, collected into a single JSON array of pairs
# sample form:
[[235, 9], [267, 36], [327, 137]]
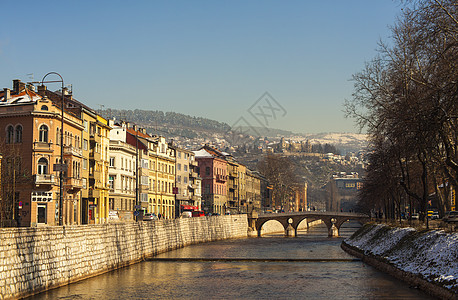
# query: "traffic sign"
[[136, 213], [59, 167]]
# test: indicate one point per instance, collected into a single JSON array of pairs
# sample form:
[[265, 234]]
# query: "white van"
[[186, 214]]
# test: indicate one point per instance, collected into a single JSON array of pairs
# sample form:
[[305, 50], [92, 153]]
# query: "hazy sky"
[[213, 59]]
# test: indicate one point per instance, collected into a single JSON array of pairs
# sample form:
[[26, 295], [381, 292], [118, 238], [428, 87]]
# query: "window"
[[43, 134], [185, 179], [179, 167], [179, 179], [84, 183], [9, 134], [145, 163], [58, 136], [85, 143], [207, 171], [85, 164], [42, 166], [85, 125], [111, 182], [44, 107], [185, 168], [19, 134], [112, 161]]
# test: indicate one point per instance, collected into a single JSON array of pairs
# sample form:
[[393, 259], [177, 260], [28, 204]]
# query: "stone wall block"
[[32, 259]]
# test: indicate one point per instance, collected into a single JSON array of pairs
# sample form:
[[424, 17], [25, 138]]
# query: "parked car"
[[415, 216], [451, 216], [435, 216], [198, 213], [150, 217]]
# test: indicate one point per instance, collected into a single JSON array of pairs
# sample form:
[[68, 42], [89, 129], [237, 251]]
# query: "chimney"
[[65, 91], [18, 86], [42, 90], [6, 94]]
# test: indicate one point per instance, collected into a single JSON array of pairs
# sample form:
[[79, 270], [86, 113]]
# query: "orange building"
[[31, 127]]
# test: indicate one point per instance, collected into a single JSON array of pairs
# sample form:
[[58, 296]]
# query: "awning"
[[189, 207]]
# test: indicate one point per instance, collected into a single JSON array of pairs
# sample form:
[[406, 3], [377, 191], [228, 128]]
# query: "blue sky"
[[203, 58]]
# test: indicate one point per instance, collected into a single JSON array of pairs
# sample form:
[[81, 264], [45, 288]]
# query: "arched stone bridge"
[[291, 221]]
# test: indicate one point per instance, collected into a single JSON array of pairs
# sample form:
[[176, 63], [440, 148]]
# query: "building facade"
[[213, 171], [187, 182], [121, 174], [32, 124]]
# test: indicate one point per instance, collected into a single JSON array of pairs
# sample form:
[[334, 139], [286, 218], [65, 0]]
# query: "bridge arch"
[[271, 226], [291, 221]]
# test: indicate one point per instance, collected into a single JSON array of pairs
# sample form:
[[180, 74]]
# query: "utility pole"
[[136, 177], [61, 166]]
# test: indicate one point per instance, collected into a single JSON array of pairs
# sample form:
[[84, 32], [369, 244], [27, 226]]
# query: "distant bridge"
[[291, 221]]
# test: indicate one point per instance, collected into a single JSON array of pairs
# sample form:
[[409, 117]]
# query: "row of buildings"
[[63, 163], [229, 186]]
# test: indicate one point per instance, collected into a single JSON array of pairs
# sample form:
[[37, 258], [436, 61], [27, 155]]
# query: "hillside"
[[184, 129], [168, 124]]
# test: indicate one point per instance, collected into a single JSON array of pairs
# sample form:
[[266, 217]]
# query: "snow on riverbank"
[[432, 255]]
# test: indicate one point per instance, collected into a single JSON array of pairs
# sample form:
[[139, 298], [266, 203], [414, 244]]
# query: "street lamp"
[[60, 166]]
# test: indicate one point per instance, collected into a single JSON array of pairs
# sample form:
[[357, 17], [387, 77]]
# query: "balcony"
[[74, 183], [193, 174], [193, 163], [43, 147], [70, 150], [195, 198], [94, 174], [95, 156], [233, 173], [93, 193], [45, 179], [221, 178]]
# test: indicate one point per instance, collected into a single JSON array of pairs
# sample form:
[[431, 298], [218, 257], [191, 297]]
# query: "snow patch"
[[433, 255]]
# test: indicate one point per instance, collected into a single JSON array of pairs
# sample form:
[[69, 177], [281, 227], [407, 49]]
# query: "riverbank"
[[33, 260], [424, 259]]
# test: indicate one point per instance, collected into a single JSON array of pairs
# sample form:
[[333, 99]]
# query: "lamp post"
[[61, 165]]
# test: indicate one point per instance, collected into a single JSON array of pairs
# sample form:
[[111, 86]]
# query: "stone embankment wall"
[[424, 259], [37, 259]]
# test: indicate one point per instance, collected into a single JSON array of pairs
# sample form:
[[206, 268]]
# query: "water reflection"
[[247, 280]]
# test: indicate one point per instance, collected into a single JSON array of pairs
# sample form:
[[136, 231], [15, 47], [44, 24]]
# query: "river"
[[327, 272]]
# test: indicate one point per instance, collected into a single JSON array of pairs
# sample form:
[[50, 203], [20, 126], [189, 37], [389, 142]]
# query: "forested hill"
[[165, 119]]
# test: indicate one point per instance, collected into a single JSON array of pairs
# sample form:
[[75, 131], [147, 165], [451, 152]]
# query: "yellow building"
[[156, 172], [95, 150], [162, 176]]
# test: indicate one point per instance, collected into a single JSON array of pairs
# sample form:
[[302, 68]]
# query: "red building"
[[213, 171]]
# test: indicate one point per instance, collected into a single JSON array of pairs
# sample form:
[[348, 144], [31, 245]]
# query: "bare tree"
[[280, 173], [408, 96]]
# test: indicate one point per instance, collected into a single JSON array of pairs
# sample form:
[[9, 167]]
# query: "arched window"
[[19, 134], [44, 107], [43, 134], [9, 134], [42, 166]]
